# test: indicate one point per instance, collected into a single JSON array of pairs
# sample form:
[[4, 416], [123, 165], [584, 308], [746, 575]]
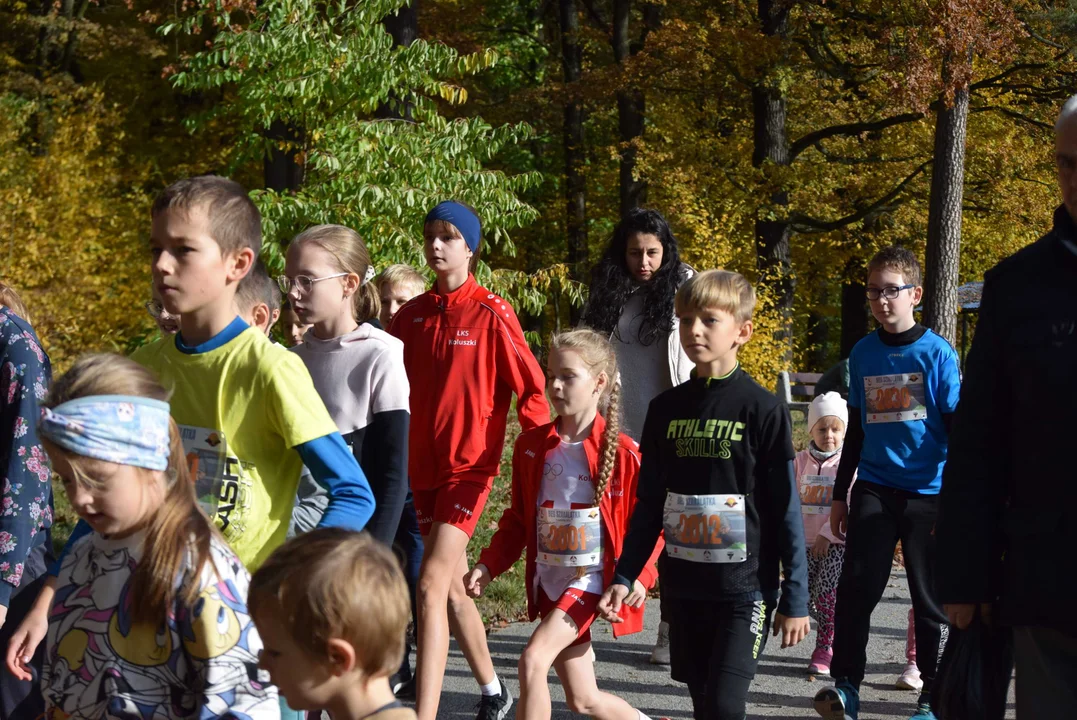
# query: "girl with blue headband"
[[147, 616], [466, 356]]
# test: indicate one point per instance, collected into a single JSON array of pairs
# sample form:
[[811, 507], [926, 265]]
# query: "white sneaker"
[[660, 654], [909, 678]]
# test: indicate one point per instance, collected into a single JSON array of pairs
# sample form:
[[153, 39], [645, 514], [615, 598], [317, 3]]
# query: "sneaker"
[[660, 654], [404, 690], [830, 704], [923, 712], [820, 662], [910, 678], [495, 707]]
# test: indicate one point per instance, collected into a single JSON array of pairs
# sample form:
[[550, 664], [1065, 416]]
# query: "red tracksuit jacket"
[[465, 356], [517, 528]]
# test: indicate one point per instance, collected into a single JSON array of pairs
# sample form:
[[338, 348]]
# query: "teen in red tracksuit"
[[465, 355], [573, 490]]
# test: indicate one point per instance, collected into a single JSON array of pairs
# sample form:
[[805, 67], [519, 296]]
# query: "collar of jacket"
[[458, 295], [591, 444], [714, 383]]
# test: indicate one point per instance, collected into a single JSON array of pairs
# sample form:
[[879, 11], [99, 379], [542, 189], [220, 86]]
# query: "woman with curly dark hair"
[[631, 300]]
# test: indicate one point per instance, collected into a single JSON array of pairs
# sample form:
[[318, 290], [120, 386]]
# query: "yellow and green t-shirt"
[[242, 407]]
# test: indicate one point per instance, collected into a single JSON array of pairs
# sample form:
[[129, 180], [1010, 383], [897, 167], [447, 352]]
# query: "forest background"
[[784, 139]]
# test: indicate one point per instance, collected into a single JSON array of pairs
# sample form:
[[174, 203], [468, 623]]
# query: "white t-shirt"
[[567, 483]]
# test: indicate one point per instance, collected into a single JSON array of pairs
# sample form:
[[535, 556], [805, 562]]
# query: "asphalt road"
[[781, 688]]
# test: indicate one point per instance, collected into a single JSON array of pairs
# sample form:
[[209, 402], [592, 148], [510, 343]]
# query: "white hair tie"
[[370, 273]]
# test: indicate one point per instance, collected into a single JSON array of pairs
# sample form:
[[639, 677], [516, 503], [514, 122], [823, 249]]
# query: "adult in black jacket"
[[1008, 516]]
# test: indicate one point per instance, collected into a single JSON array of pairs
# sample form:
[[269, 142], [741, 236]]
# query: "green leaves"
[[326, 69]]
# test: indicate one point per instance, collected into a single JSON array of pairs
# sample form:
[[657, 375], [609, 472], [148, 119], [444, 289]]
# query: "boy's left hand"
[[793, 630], [637, 596]]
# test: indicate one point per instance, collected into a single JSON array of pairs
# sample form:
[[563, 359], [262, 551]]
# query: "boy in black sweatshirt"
[[717, 476]]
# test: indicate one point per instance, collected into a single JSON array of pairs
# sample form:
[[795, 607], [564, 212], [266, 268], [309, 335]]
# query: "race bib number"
[[207, 455], [895, 398], [220, 484], [569, 538], [705, 528], [816, 494]]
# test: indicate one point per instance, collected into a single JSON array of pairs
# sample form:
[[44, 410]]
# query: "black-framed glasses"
[[890, 292], [303, 283]]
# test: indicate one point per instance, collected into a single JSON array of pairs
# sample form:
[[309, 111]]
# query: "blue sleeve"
[[949, 389], [81, 530], [26, 494], [333, 466]]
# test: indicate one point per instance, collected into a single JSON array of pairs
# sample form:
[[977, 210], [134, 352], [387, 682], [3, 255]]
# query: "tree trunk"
[[944, 217], [575, 183], [854, 316], [404, 29], [630, 102], [281, 170], [771, 143]]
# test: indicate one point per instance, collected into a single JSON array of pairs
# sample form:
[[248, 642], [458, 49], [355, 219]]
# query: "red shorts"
[[457, 503], [580, 606]]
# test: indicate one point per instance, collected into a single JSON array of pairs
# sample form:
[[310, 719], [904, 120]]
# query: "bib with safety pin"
[[569, 538], [705, 528], [207, 455], [816, 494], [894, 398]]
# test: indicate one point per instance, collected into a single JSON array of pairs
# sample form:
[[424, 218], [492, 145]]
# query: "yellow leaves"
[[69, 234], [452, 94]]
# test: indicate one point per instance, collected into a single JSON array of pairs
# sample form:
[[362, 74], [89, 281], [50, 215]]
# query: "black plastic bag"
[[974, 673]]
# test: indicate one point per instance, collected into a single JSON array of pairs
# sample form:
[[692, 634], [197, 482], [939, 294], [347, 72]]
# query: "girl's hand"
[[23, 644], [820, 547], [793, 630], [839, 519], [637, 596], [610, 604], [477, 580], [31, 631]]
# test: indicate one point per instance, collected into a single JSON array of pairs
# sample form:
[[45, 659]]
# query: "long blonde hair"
[[351, 256], [598, 355], [178, 529]]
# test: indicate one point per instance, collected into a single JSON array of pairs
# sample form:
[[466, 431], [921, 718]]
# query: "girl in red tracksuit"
[[573, 490], [465, 355]]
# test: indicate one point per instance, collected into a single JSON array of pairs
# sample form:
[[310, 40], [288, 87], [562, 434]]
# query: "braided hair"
[[612, 284], [598, 355]]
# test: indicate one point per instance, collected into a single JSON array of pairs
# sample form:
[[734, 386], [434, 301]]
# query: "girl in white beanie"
[[816, 468]]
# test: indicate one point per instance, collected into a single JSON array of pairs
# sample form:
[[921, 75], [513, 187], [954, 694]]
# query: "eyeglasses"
[[889, 293], [302, 283], [157, 311]]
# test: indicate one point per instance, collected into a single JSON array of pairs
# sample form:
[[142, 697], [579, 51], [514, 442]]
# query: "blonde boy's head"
[[232, 218], [335, 584], [396, 285], [720, 289]]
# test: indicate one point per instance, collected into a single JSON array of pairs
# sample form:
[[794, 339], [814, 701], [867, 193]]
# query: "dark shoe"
[[495, 707], [830, 703]]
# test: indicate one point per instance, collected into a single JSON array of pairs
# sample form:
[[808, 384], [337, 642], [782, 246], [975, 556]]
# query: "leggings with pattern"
[[823, 575]]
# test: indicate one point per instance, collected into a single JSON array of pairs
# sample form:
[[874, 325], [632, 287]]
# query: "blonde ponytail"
[[598, 355]]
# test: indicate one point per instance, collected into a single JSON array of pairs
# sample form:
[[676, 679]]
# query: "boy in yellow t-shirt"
[[249, 412]]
